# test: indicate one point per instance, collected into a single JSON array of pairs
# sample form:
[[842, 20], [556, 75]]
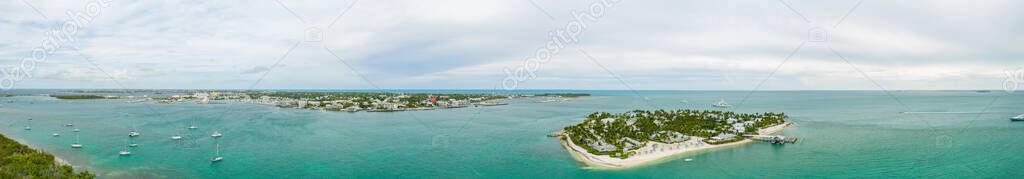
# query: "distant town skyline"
[[509, 45]]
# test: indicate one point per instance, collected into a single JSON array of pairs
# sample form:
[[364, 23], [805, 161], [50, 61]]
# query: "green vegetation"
[[348, 101], [617, 135], [20, 161], [73, 97]]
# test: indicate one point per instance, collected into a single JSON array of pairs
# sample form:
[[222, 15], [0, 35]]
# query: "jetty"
[[773, 139]]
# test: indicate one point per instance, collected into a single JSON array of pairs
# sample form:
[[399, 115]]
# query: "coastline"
[[658, 152], [55, 157]]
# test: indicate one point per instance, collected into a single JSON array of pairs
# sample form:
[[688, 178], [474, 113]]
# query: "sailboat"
[[192, 125], [76, 144], [125, 151], [722, 104], [217, 157], [28, 125], [216, 134], [177, 136]]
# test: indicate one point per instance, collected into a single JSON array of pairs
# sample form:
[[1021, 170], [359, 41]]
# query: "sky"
[[472, 44]]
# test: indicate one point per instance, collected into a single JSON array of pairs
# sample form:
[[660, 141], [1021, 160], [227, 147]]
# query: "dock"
[[773, 139]]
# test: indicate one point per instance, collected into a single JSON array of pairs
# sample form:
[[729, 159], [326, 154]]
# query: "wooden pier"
[[773, 139]]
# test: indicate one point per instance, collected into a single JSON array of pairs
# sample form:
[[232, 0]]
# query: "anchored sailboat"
[[125, 151], [217, 157], [76, 144], [177, 136]]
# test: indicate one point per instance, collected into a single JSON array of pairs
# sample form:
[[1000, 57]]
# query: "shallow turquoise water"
[[845, 134]]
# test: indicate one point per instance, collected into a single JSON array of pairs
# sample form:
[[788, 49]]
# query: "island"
[[358, 101], [640, 137], [79, 97], [20, 161]]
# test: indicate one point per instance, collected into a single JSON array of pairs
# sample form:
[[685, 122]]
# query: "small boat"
[[216, 134], [722, 104], [56, 134], [1018, 118], [76, 130], [133, 133], [133, 145], [125, 151], [177, 136], [217, 157], [68, 124], [28, 128], [688, 160], [76, 144]]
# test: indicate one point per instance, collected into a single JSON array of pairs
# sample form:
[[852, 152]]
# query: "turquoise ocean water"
[[844, 134]]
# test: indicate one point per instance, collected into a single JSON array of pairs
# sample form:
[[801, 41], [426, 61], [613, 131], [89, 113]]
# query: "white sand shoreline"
[[658, 152]]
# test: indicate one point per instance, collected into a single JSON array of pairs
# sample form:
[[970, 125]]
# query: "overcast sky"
[[473, 44]]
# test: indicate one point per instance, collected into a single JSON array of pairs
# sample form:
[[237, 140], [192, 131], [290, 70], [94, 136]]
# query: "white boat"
[[133, 133], [722, 104], [56, 134], [28, 128], [192, 125], [217, 157], [69, 124], [1018, 118], [177, 136], [125, 151], [133, 145], [216, 134], [76, 130], [688, 160], [76, 144]]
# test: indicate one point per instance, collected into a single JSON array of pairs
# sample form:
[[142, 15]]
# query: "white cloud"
[[462, 43]]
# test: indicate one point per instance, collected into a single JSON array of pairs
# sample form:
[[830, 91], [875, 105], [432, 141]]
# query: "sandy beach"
[[654, 152]]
